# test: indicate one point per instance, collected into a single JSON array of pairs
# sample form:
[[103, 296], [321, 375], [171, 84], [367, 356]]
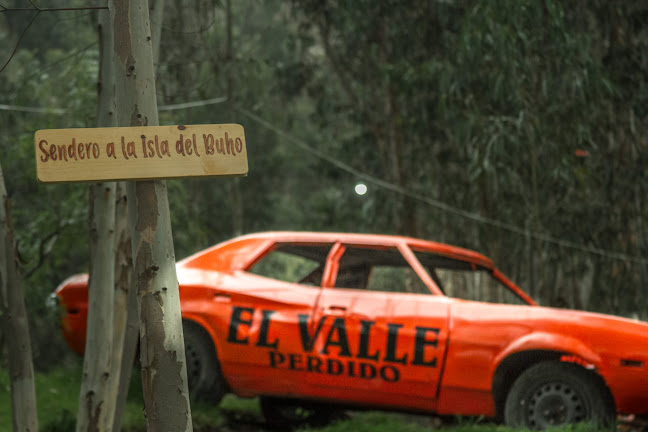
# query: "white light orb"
[[361, 188]]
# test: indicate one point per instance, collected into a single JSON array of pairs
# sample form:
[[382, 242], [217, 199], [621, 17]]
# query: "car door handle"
[[222, 297], [336, 308]]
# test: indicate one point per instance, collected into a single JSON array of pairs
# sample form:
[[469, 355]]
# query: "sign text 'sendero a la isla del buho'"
[[140, 153]]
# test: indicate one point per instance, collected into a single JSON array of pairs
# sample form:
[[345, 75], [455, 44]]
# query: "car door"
[[378, 333], [261, 345]]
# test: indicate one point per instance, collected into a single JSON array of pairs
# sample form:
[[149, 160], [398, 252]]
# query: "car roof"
[[238, 252]]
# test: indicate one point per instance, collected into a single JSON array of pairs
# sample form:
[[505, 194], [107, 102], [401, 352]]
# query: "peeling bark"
[[161, 342]]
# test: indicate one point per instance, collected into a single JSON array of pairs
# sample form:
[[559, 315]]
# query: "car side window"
[[465, 280], [294, 263], [378, 269], [396, 279], [475, 285]]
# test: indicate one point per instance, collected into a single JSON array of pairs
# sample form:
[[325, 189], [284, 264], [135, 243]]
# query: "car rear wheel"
[[290, 413], [204, 375], [551, 394]]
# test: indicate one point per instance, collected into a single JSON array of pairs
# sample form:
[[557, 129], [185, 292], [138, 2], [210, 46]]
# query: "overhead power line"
[[192, 104], [435, 203], [59, 111], [39, 110], [377, 181]]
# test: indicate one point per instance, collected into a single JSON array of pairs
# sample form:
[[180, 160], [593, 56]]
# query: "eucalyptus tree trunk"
[[125, 318], [164, 374], [102, 357], [126, 307], [237, 199], [96, 401], [15, 326]]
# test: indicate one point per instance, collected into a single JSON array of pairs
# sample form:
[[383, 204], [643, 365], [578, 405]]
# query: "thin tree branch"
[[19, 39], [38, 11], [43, 252], [57, 62], [337, 67]]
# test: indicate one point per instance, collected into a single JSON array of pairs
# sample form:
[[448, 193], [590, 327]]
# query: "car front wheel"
[[204, 375], [551, 394]]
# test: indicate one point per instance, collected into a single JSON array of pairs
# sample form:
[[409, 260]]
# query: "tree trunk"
[[164, 375], [95, 402], [125, 319], [15, 326], [101, 360], [236, 195], [237, 200], [126, 323]]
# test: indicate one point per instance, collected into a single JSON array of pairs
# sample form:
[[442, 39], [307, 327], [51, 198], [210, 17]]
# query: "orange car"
[[311, 321]]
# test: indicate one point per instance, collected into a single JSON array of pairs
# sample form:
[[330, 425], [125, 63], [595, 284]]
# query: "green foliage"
[[56, 72], [485, 106], [530, 114]]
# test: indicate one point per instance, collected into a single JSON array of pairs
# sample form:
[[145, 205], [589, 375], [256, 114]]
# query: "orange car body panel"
[[388, 350]]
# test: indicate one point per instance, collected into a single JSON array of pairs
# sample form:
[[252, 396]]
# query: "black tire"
[[282, 413], [204, 375], [552, 394]]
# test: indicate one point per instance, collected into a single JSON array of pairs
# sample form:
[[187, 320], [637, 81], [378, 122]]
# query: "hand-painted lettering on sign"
[[374, 356], [135, 153]]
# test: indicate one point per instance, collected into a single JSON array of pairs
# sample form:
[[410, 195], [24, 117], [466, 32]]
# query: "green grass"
[[389, 422], [58, 397], [57, 394]]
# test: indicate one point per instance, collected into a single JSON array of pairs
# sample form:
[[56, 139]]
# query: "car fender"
[[543, 341], [530, 349]]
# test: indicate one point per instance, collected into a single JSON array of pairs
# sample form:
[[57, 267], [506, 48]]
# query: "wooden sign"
[[140, 153]]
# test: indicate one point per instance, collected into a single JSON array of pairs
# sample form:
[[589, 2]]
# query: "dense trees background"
[[516, 128]]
